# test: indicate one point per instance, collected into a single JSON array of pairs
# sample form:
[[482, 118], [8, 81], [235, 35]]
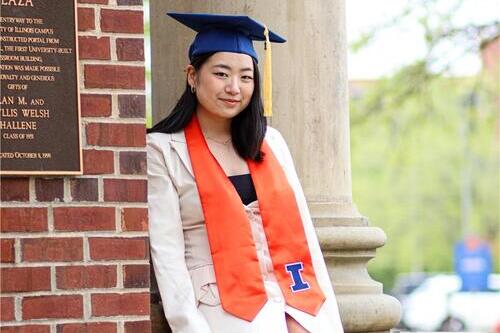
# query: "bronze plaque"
[[39, 96]]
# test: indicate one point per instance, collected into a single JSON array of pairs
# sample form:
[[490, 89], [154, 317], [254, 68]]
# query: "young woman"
[[232, 242]]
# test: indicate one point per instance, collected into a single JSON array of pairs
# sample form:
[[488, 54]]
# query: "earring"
[[193, 89]]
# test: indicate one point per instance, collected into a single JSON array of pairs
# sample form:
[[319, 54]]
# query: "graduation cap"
[[231, 33]]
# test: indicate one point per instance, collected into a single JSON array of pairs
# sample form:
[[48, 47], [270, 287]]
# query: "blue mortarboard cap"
[[224, 33]]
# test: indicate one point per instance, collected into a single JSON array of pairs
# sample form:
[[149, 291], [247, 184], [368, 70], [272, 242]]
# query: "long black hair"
[[248, 128]]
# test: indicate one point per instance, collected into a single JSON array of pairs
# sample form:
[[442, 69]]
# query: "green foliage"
[[431, 143], [388, 95], [409, 139]]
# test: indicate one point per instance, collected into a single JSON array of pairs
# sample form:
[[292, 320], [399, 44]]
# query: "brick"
[[25, 329], [84, 218], [98, 162], [138, 326], [95, 105], [6, 309], [101, 2], [136, 276], [23, 219], [130, 49], [133, 163], [49, 189], [126, 21], [95, 48], [82, 277], [86, 19], [135, 219], [129, 2], [120, 304], [132, 106], [87, 328], [7, 253], [52, 249], [118, 135], [115, 248], [45, 307], [84, 189], [125, 190], [18, 279], [114, 77], [14, 189]]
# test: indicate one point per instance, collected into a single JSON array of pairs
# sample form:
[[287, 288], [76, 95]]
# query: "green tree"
[[431, 144]]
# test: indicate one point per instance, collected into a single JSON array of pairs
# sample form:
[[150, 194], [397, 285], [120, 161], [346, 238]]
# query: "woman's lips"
[[230, 102]]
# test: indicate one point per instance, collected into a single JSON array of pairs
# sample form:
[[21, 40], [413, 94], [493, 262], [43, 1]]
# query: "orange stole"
[[237, 271]]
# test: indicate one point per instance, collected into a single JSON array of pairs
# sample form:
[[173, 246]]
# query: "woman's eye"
[[247, 78], [221, 74]]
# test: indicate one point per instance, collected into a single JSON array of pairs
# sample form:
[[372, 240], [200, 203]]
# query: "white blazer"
[[181, 254]]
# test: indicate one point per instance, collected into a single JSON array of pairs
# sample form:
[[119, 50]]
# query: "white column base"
[[347, 249]]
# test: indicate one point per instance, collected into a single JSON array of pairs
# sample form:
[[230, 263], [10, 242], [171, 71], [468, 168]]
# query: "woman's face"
[[224, 84]]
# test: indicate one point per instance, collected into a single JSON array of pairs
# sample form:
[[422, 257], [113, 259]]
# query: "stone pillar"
[[311, 111]]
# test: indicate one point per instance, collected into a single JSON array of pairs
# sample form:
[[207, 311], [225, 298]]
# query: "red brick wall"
[[74, 250]]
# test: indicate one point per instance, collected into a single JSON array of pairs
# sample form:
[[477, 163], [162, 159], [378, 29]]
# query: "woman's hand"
[[293, 326]]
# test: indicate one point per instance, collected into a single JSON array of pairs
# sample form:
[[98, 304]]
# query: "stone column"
[[311, 111]]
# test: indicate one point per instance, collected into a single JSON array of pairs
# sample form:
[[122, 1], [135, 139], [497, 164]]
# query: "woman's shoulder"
[[158, 136], [165, 138], [277, 144], [160, 144], [273, 136], [272, 133]]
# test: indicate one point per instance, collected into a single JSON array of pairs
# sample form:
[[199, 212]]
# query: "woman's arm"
[[167, 247]]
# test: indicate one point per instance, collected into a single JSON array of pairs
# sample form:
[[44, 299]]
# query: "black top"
[[244, 186]]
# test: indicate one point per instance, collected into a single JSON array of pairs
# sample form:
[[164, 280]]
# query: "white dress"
[[181, 254]]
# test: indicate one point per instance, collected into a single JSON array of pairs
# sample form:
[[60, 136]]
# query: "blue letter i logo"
[[294, 270]]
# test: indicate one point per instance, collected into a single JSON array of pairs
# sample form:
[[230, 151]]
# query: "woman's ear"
[[191, 75]]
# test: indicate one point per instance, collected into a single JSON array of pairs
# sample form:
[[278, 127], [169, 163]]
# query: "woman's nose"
[[233, 86]]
